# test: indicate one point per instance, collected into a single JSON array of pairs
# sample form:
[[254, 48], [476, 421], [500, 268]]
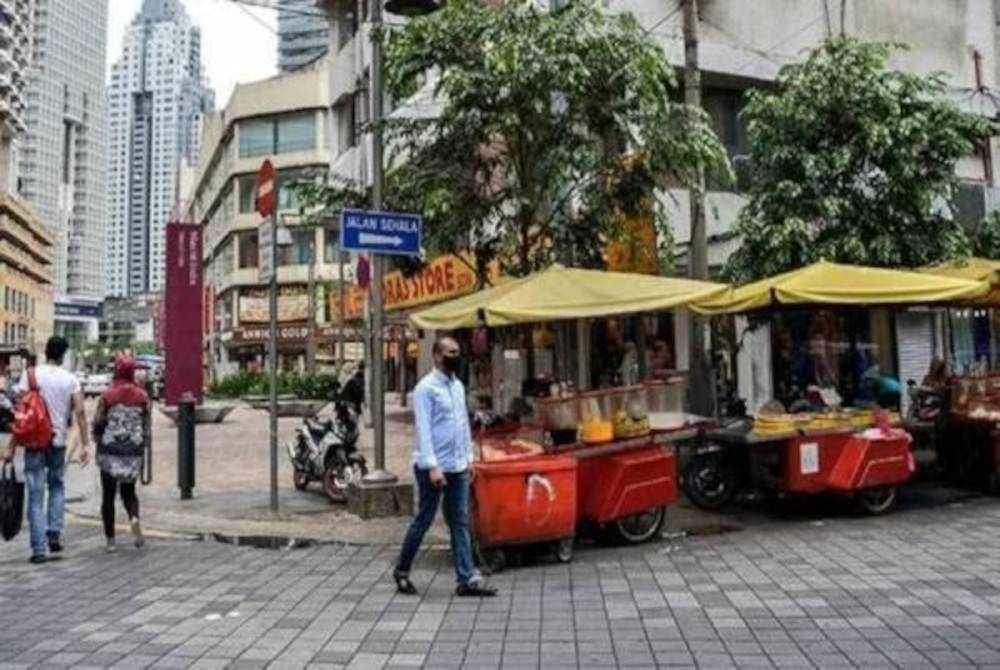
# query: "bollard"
[[185, 446]]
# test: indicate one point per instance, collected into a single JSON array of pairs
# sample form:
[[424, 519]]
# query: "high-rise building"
[[15, 56], [157, 98], [63, 165], [303, 34]]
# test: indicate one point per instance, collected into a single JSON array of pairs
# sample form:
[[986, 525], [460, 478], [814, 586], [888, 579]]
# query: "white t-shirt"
[[57, 387]]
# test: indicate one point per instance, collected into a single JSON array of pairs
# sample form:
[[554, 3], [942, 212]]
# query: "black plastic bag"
[[11, 503]]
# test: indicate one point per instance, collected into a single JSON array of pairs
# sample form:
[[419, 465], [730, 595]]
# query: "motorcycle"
[[327, 451]]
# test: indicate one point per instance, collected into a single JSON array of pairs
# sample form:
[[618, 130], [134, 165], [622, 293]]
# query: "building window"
[[247, 186], [278, 135], [249, 250], [331, 244], [299, 252], [347, 136]]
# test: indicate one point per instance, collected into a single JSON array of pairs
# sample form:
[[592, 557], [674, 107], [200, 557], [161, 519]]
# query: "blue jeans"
[[456, 513], [43, 467]]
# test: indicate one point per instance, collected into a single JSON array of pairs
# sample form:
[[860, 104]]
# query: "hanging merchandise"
[[363, 275], [481, 341]]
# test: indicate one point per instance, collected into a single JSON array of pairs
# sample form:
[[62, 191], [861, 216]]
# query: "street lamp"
[[412, 8]]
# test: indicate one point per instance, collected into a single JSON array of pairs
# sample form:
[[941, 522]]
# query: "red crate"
[[871, 462], [622, 484], [524, 500]]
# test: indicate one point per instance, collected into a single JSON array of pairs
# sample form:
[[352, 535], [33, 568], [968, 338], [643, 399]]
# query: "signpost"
[[380, 234], [385, 233], [266, 206]]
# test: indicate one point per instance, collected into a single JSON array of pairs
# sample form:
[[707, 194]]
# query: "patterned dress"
[[121, 447]]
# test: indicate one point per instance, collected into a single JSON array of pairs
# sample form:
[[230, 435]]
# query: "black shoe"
[[38, 559], [55, 546], [403, 584], [475, 590]]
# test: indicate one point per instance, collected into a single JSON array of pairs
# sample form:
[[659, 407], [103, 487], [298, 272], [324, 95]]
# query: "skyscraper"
[[157, 98], [15, 56], [303, 34], [63, 161]]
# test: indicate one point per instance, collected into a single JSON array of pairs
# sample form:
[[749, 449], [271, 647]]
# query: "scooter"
[[327, 451]]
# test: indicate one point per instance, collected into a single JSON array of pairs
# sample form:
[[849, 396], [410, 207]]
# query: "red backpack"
[[32, 427]]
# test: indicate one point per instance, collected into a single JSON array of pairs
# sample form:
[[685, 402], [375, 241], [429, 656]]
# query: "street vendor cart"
[[841, 451], [967, 441], [599, 460]]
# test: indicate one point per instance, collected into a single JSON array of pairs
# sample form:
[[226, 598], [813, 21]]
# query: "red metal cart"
[[867, 466], [621, 488]]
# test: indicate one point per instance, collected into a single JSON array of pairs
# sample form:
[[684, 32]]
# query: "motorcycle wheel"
[[640, 527], [708, 482], [300, 479], [334, 485]]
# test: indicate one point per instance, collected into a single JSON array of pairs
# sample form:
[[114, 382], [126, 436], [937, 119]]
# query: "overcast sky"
[[235, 46]]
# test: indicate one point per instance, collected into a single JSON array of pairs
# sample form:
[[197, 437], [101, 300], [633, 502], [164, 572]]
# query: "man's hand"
[[7, 455], [84, 455], [437, 478]]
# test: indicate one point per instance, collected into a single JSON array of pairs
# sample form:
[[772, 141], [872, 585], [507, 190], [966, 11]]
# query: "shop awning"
[[974, 269], [565, 293], [833, 284]]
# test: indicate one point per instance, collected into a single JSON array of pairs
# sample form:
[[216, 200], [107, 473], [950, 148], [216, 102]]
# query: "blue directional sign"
[[390, 233]]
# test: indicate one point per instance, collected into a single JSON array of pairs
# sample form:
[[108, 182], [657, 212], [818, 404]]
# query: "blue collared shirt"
[[444, 439]]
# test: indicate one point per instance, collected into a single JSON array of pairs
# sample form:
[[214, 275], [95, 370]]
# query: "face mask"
[[452, 364]]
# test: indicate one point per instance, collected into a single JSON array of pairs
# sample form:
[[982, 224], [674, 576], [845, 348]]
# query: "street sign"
[[266, 189], [265, 255], [389, 233]]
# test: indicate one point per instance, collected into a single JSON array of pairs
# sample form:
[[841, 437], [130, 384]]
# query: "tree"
[[986, 238], [554, 128], [852, 162]]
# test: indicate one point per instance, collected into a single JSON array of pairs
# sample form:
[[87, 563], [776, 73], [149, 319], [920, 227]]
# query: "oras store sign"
[[443, 278]]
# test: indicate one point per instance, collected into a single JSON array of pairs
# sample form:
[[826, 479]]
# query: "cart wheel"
[[563, 550], [641, 527], [300, 479], [491, 559], [708, 482], [877, 501]]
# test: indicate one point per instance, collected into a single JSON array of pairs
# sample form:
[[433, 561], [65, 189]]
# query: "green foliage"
[[851, 162], [986, 240], [305, 387], [145, 348], [550, 123]]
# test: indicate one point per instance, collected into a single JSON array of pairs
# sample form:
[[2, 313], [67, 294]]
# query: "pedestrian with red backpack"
[[50, 397]]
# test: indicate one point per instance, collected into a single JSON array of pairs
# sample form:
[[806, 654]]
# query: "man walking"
[[441, 461], [62, 395]]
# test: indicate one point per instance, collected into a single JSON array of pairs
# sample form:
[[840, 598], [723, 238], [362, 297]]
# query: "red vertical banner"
[[182, 327]]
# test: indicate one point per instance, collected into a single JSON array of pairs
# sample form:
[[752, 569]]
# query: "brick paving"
[[915, 589]]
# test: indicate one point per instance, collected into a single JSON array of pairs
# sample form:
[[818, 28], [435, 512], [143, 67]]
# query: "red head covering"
[[124, 369], [123, 389]]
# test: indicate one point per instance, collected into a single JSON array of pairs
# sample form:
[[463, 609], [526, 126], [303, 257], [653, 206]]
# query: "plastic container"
[[630, 417], [558, 414], [521, 501], [665, 396], [595, 417]]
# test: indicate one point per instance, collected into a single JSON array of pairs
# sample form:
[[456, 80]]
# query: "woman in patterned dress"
[[122, 428]]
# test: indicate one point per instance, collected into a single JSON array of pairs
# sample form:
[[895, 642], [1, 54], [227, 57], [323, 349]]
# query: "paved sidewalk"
[[917, 589], [232, 473]]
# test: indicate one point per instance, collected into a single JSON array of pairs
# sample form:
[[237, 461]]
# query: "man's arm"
[[423, 407], [80, 414]]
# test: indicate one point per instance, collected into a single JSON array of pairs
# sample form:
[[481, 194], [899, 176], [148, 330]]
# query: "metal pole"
[[272, 362], [701, 372], [379, 475], [343, 308]]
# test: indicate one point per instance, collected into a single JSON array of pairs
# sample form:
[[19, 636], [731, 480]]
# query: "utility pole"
[[700, 367]]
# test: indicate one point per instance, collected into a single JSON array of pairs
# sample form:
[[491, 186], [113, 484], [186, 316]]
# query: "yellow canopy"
[[564, 293], [975, 269], [832, 284]]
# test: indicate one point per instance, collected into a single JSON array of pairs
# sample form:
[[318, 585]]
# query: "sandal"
[[404, 585]]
